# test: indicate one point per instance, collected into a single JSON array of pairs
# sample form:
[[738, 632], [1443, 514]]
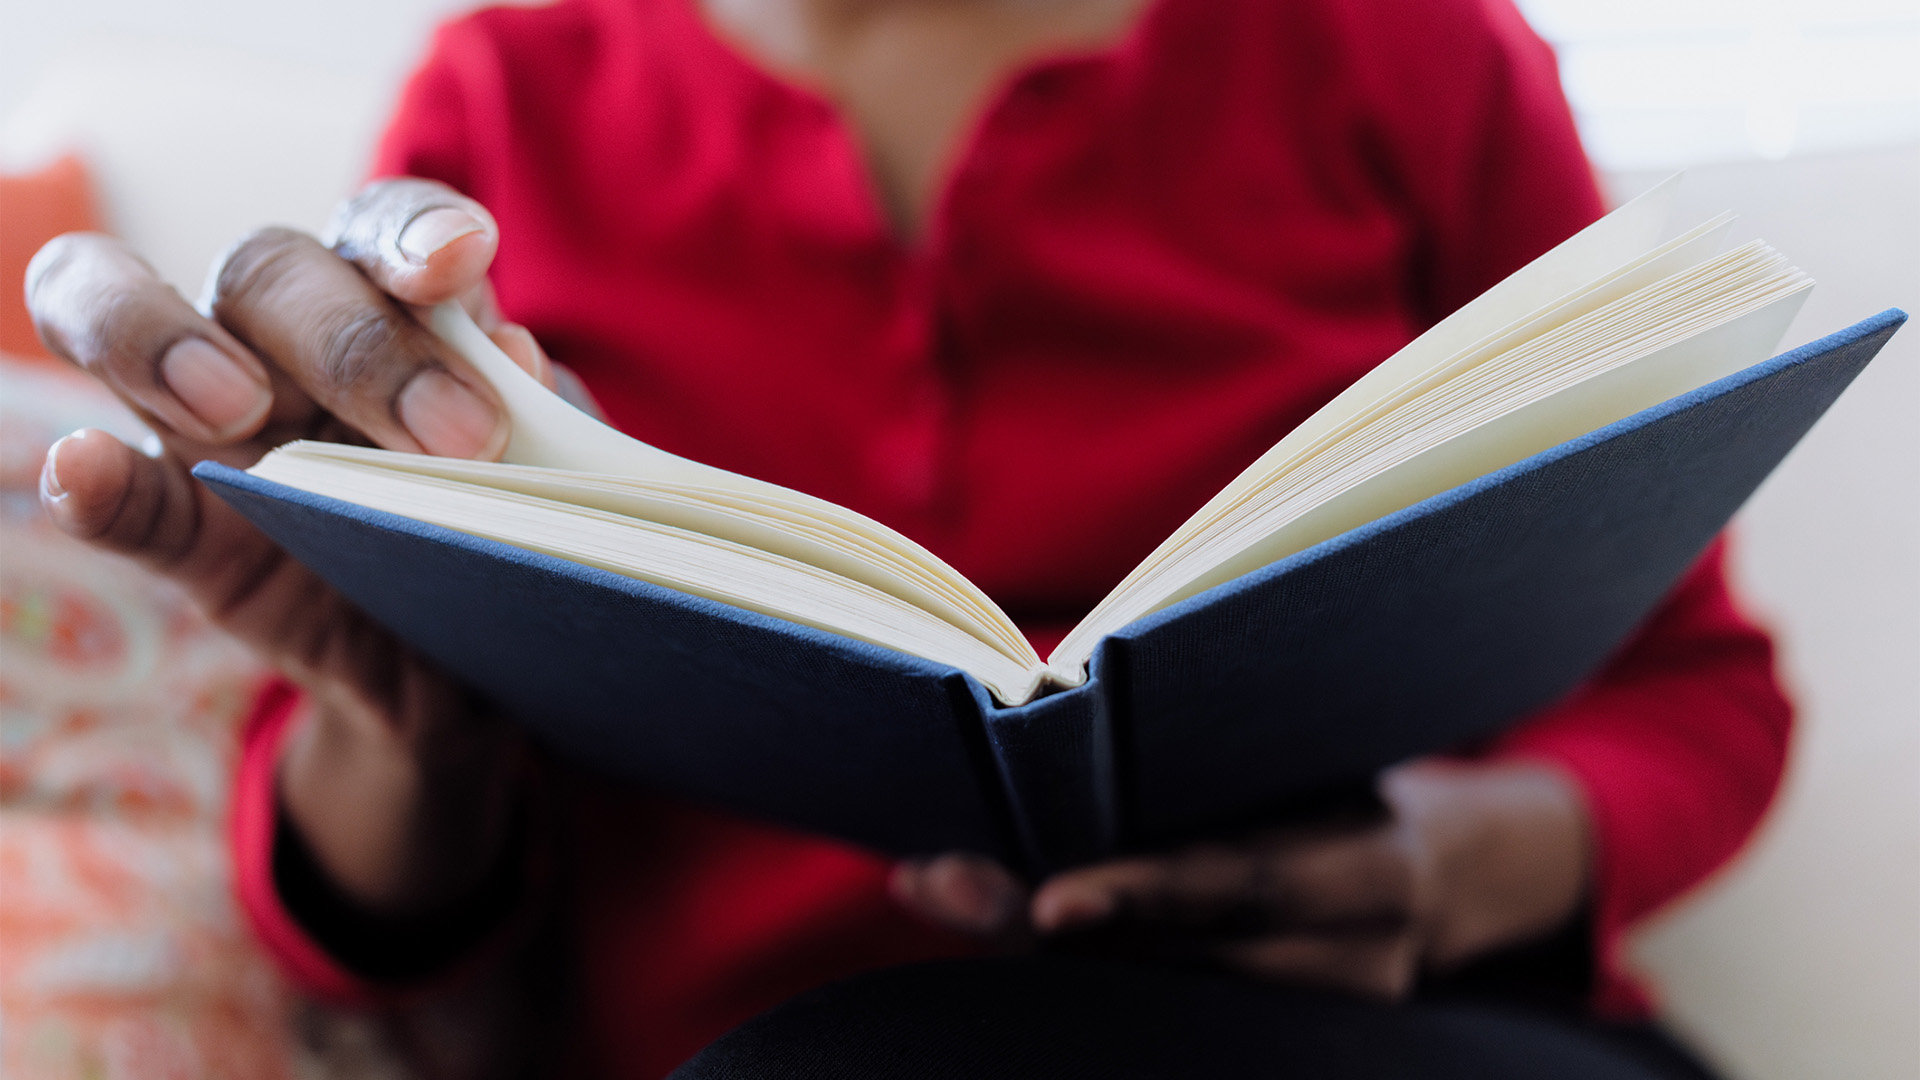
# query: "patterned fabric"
[[121, 953]]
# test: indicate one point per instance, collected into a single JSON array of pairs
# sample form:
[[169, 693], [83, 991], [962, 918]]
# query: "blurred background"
[[194, 120]]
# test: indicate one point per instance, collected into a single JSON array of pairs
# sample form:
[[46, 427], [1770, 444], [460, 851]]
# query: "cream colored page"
[[1485, 379], [687, 561], [1596, 265], [1613, 241], [550, 433], [796, 540], [1549, 365], [1637, 384], [1516, 436], [1606, 252], [1676, 256], [1686, 300], [1456, 386]]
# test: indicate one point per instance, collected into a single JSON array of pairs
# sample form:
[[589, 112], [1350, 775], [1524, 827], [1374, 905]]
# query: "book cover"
[[1425, 629]]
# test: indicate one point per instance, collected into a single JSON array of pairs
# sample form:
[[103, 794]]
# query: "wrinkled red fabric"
[[1147, 263]]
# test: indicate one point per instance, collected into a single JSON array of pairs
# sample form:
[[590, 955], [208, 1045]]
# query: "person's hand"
[[301, 339], [1470, 857]]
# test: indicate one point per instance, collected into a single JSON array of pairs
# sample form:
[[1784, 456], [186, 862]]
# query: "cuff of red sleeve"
[[326, 943], [276, 715]]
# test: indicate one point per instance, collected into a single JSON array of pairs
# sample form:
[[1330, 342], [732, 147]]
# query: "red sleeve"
[[1464, 117], [427, 135], [1678, 746], [255, 819], [326, 944]]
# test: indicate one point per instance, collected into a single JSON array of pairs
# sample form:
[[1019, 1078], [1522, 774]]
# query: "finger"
[[968, 893], [353, 349], [1352, 880], [1187, 888], [1377, 966], [420, 241], [98, 489], [96, 304], [519, 345], [1364, 878]]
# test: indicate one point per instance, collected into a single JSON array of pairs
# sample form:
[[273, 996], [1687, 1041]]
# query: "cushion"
[[39, 206], [121, 952]]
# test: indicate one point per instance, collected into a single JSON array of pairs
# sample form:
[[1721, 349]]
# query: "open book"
[[1608, 323], [1453, 543]]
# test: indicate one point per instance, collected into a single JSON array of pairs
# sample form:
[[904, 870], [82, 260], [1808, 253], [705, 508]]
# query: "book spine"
[[1055, 758]]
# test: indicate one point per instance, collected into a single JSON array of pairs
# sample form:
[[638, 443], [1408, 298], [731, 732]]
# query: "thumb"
[[519, 345], [421, 242]]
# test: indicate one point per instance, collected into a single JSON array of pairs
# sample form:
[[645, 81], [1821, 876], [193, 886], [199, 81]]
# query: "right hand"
[[399, 790]]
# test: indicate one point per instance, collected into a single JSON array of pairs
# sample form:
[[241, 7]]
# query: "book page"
[[713, 567], [549, 433], [694, 509], [1541, 425], [1597, 265], [1550, 280], [1338, 484]]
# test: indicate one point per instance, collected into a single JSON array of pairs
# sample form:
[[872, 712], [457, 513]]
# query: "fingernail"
[[211, 384], [51, 489], [446, 417], [433, 230]]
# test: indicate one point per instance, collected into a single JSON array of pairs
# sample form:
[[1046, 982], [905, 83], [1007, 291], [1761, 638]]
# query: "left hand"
[[1471, 857]]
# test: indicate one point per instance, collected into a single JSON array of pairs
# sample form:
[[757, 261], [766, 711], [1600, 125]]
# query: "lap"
[[1058, 1016]]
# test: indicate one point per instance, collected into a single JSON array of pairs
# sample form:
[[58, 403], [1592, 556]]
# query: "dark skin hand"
[[401, 790], [1469, 858]]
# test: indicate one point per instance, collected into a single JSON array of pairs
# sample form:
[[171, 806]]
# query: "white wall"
[[210, 116], [1659, 83], [285, 96], [374, 38]]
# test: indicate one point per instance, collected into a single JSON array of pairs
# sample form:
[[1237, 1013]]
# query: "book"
[[1453, 542]]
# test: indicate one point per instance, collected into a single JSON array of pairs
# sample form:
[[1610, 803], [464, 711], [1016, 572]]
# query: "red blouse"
[[1148, 262]]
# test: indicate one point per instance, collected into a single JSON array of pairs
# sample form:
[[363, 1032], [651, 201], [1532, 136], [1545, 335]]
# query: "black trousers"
[[1064, 1017]]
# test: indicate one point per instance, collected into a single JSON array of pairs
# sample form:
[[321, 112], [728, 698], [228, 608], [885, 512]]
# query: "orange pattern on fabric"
[[121, 954], [34, 208]]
